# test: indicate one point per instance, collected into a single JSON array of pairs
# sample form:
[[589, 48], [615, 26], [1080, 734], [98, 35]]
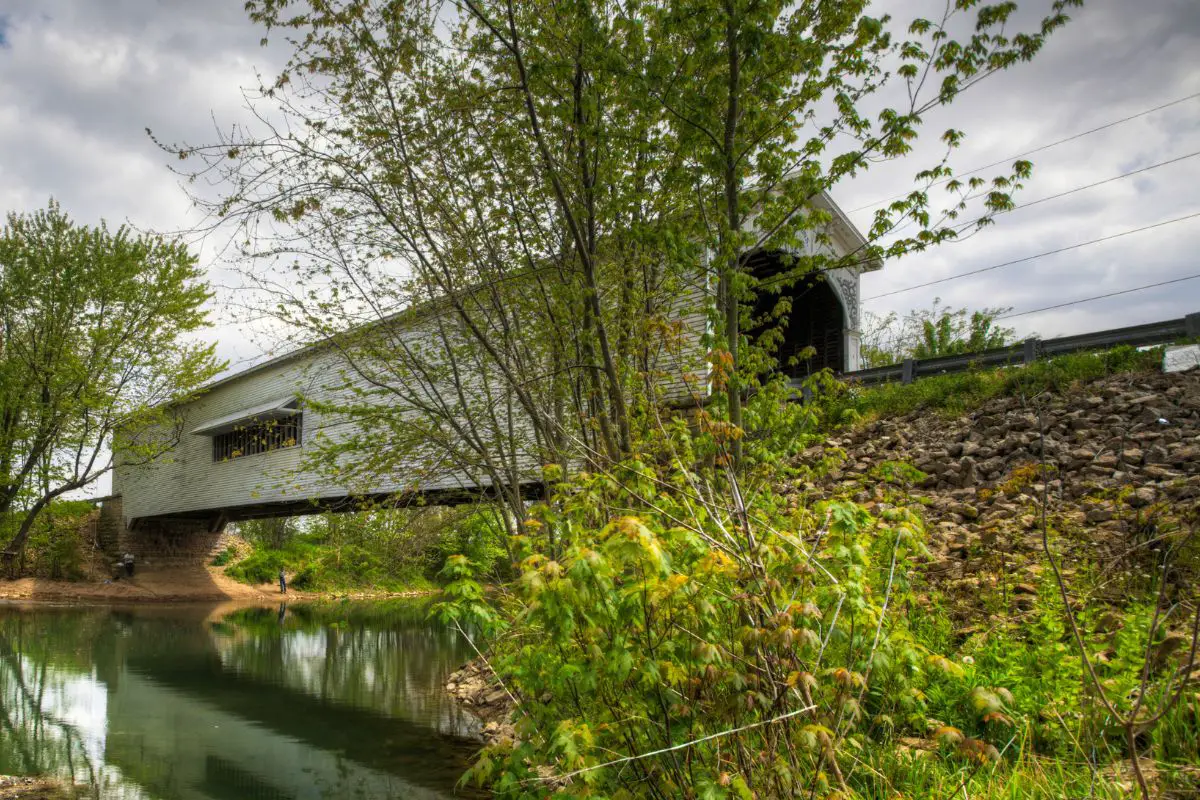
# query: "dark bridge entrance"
[[817, 318]]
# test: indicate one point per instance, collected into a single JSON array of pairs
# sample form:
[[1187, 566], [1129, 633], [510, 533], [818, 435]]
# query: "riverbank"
[[24, 788], [179, 584], [474, 686]]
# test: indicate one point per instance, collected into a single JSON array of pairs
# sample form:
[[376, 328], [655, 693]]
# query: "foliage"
[[263, 565], [479, 537], [932, 332], [787, 673], [224, 557], [644, 617], [658, 638], [394, 548], [271, 533], [94, 327], [501, 212], [60, 541], [958, 392]]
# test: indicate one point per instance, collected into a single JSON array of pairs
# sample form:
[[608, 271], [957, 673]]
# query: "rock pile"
[[474, 685], [1112, 458]]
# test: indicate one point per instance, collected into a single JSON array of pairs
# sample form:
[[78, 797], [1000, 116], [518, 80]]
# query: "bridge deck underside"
[[218, 517]]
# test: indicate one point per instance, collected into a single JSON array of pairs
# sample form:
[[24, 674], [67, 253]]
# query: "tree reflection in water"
[[51, 705], [324, 701], [341, 653]]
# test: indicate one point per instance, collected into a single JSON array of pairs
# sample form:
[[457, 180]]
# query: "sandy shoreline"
[[188, 584]]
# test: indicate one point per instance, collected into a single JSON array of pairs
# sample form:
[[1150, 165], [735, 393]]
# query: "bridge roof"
[[841, 224]]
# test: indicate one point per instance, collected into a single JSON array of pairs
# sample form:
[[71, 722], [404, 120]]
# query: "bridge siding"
[[188, 480]]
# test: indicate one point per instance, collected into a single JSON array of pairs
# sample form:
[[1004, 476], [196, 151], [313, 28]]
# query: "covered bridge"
[[241, 445]]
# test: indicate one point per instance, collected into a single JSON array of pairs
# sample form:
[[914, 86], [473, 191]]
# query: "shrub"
[[263, 565], [648, 616], [59, 544], [224, 557]]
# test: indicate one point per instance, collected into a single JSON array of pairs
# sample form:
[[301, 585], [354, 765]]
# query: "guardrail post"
[[908, 371], [1032, 345], [1191, 326]]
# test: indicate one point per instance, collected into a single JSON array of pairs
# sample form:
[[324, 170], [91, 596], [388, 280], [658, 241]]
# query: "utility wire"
[[1102, 296], [1037, 149], [1122, 176], [1031, 258]]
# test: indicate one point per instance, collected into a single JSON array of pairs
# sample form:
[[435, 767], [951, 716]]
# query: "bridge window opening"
[[254, 437], [816, 319]]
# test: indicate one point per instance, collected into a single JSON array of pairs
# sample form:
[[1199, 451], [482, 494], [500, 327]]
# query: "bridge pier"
[[159, 541]]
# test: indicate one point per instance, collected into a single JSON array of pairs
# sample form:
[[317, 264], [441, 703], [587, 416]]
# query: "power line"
[[1122, 176], [970, 223], [1038, 149], [1031, 258], [1101, 296]]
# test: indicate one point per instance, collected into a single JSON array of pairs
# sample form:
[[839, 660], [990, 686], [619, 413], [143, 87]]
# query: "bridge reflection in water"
[[300, 703]]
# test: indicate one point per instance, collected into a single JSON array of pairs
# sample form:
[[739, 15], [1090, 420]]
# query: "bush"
[[644, 615], [59, 542], [224, 557], [263, 565], [316, 565], [480, 537]]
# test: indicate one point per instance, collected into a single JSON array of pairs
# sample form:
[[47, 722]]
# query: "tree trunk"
[[727, 291]]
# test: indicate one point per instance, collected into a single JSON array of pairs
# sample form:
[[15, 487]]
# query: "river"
[[287, 703]]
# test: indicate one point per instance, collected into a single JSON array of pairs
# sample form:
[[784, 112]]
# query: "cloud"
[[80, 81], [79, 84], [1112, 60]]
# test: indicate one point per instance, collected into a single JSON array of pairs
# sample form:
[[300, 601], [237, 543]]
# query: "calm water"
[[175, 704]]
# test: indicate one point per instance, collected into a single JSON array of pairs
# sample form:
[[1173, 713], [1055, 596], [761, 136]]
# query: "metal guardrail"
[[1030, 350]]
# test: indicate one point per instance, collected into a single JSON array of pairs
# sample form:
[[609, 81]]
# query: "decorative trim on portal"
[[847, 284]]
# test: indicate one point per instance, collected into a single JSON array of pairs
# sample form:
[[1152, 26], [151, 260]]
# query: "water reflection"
[[297, 702]]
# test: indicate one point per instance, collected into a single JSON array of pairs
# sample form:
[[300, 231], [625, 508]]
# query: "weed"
[[224, 557], [960, 392]]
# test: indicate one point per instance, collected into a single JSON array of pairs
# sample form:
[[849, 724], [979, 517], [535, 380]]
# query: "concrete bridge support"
[[159, 542]]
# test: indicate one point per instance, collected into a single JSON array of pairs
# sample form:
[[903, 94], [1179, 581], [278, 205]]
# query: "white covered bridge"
[[239, 448]]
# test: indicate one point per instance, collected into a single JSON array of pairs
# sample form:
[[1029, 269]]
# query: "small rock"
[[966, 510], [1142, 496], [1132, 456]]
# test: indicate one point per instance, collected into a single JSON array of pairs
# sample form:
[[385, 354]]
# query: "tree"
[[95, 326], [542, 190], [932, 332], [497, 214]]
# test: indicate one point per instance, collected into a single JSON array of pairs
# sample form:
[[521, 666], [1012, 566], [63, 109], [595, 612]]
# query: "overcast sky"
[[80, 81]]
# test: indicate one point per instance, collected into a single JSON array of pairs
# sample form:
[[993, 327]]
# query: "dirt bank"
[[12, 788], [180, 584]]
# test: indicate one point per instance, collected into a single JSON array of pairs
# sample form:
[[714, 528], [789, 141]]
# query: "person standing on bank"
[[282, 582], [128, 562]]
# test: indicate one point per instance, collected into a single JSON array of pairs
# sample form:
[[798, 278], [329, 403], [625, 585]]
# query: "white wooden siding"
[[188, 480]]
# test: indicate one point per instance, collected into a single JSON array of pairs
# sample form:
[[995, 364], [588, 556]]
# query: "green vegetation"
[[95, 331], [931, 332], [224, 557], [959, 392], [60, 539], [789, 650], [392, 550]]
